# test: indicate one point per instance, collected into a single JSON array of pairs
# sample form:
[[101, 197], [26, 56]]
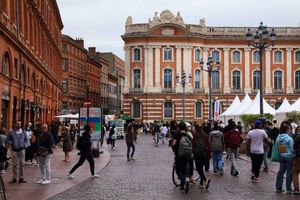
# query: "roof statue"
[[129, 20], [166, 16]]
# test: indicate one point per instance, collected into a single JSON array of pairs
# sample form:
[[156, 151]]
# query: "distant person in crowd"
[[67, 143], [130, 138], [3, 151], [217, 143], [296, 161], [255, 146], [17, 140], [44, 153], [239, 127], [267, 144], [156, 133], [84, 145], [113, 136], [294, 126], [54, 131], [29, 151], [233, 139], [164, 131], [102, 134], [73, 133], [286, 150]]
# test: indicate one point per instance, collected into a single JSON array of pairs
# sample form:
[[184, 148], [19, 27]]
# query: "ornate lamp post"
[[211, 66], [184, 80], [261, 40]]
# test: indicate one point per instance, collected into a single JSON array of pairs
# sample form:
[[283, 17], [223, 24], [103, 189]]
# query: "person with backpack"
[[216, 141], [201, 151], [233, 139], [286, 153], [84, 145], [182, 147], [296, 161], [130, 138], [255, 146]]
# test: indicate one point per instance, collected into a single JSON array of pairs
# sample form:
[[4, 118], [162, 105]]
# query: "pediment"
[[168, 30]]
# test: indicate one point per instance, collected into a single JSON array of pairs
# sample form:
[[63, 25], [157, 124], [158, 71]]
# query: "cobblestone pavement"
[[149, 178]]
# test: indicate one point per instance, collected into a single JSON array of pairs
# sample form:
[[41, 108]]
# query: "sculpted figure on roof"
[[166, 16]]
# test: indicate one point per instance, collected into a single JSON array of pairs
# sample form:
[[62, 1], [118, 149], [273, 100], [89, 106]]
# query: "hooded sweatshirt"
[[216, 140], [285, 145]]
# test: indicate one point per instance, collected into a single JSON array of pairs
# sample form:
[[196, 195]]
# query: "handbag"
[[42, 151], [275, 153]]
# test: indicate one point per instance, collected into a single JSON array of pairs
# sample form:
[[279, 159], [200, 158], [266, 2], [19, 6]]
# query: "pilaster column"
[[157, 69], [205, 74], [178, 67], [247, 71], [145, 75], [226, 88], [150, 69], [127, 69], [268, 89], [187, 66], [289, 86]]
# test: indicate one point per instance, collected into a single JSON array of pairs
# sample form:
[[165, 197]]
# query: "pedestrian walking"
[[233, 139], [201, 151], [112, 136], [84, 144], [164, 130], [17, 140], [67, 143], [286, 150], [156, 133], [130, 138], [216, 141], [255, 146], [44, 152]]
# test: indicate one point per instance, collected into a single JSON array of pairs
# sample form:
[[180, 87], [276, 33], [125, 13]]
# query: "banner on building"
[[216, 109]]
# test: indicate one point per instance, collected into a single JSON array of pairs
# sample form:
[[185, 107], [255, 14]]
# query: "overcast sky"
[[101, 22]]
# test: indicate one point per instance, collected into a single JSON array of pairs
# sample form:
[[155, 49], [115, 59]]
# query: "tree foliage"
[[247, 118], [294, 116]]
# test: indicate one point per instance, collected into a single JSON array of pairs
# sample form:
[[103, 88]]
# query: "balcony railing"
[[136, 90], [237, 90], [198, 90], [297, 91], [168, 90], [216, 90], [278, 91]]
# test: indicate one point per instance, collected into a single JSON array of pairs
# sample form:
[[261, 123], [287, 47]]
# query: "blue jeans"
[[266, 151], [285, 166], [217, 160]]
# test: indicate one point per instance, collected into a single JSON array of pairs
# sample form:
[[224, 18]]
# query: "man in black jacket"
[[84, 146]]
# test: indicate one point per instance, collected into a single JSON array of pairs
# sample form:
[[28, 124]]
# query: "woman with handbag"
[[44, 151]]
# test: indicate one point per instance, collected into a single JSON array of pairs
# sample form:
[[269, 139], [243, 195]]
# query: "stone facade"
[[30, 51], [165, 46]]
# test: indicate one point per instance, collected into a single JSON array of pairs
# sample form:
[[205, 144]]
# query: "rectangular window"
[[215, 80], [198, 110]]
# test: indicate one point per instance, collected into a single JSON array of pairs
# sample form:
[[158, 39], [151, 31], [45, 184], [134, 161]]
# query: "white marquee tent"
[[254, 107], [284, 107], [245, 103], [295, 106], [235, 104]]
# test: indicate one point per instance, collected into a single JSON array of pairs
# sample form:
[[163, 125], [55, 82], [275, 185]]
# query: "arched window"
[[256, 79], [15, 72], [277, 57], [277, 104], [256, 56], [197, 55], [5, 64], [297, 80], [136, 78], [136, 54], [28, 77], [215, 56], [168, 109], [236, 80], [197, 79], [278, 80], [236, 57], [297, 56], [215, 80], [136, 109], [167, 54], [167, 78], [33, 81], [22, 78], [198, 108]]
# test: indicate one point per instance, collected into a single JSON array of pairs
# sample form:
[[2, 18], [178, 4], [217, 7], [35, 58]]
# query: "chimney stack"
[[80, 41], [92, 50]]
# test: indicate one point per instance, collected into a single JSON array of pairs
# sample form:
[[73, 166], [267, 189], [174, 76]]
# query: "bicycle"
[[175, 178]]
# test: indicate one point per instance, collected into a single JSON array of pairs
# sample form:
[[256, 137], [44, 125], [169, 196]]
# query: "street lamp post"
[[184, 80], [211, 66], [261, 40]]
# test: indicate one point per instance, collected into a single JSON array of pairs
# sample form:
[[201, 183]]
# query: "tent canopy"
[[235, 104], [245, 103], [254, 107], [284, 106], [295, 106]]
